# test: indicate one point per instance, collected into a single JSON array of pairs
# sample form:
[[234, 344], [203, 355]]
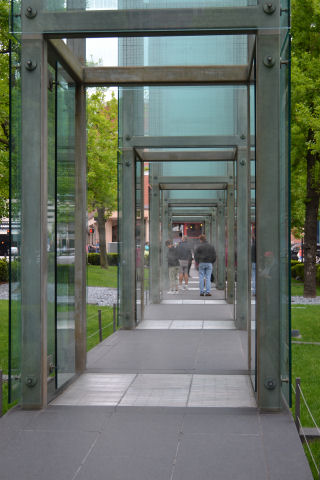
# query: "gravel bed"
[[305, 301], [104, 296], [101, 296]]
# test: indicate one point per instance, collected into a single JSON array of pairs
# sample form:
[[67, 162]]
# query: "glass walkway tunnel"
[[203, 139]]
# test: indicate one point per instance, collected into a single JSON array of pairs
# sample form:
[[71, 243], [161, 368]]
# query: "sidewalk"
[[167, 401]]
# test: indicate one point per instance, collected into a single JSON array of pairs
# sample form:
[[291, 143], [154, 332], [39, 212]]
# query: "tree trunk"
[[310, 229], [102, 237]]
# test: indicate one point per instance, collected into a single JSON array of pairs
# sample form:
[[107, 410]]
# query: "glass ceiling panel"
[[58, 5], [184, 111], [168, 51], [195, 169]]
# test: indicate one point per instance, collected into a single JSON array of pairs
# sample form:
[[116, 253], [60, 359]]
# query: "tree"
[[102, 161], [306, 127], [4, 107]]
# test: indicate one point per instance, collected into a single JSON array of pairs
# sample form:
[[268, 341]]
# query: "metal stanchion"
[[100, 325], [114, 318], [297, 404], [0, 393]]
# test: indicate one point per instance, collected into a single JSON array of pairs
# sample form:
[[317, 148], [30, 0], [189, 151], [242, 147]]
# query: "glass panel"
[[169, 50], [58, 5], [285, 326], [139, 243], [51, 307], [65, 212], [253, 330], [185, 111], [15, 226]]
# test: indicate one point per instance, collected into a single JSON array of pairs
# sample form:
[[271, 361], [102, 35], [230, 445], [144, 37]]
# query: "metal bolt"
[[128, 138], [242, 136], [270, 383], [128, 164], [268, 61], [30, 13], [31, 380], [269, 8], [30, 65], [242, 162]]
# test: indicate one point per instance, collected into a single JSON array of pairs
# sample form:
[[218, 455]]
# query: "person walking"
[[184, 255], [205, 256], [173, 266]]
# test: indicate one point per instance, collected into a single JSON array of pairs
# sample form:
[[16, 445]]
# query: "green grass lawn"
[[101, 277], [93, 324], [305, 364], [297, 287]]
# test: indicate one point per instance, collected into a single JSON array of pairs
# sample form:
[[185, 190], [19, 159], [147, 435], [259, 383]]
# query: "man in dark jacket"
[[184, 255], [205, 256]]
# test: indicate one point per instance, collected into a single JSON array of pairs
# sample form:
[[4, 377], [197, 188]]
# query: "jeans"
[[205, 270]]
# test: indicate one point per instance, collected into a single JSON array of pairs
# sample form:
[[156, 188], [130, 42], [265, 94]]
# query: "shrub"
[[298, 271], [4, 271], [294, 262], [94, 259]]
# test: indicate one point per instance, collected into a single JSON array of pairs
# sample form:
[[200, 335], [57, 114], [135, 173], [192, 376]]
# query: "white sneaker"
[[186, 287], [176, 292], [171, 292]]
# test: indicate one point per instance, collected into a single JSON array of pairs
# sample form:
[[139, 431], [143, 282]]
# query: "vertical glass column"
[[51, 241], [15, 225], [65, 239], [285, 278]]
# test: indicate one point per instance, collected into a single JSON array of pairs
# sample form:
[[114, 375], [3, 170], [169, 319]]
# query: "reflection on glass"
[[58, 5], [51, 245], [15, 227], [65, 213]]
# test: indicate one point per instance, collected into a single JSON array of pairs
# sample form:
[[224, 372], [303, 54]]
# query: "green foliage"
[[94, 259], [298, 271], [294, 262], [4, 107], [4, 274], [102, 151], [305, 102]]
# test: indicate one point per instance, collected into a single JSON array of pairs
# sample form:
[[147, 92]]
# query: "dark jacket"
[[184, 251], [205, 253], [173, 260]]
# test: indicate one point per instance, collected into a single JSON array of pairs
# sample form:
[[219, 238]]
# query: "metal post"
[[78, 46], [221, 251], [297, 405], [269, 294], [230, 251], [100, 325], [243, 284], [164, 238], [154, 235], [114, 317], [34, 196], [0, 393], [127, 220]]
